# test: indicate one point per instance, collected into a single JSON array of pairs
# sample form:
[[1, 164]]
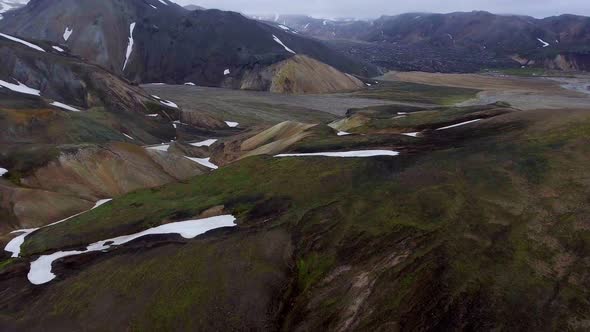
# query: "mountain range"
[[159, 41], [455, 42]]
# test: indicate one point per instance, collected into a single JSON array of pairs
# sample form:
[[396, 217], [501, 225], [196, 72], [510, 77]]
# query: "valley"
[[312, 223], [165, 168]]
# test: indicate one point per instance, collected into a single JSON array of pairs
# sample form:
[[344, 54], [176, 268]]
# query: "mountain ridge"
[[455, 42], [152, 41]]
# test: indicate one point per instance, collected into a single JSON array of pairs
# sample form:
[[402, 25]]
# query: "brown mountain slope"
[[300, 74]]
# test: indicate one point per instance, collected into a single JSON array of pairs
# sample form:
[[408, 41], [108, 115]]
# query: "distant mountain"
[[6, 5], [463, 41], [320, 28], [193, 7], [159, 41]]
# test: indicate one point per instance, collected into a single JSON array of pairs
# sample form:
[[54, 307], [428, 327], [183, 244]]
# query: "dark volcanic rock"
[[170, 44]]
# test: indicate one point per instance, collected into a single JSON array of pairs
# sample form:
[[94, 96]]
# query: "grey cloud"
[[376, 8]]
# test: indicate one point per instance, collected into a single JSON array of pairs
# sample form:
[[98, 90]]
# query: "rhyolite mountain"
[[160, 41], [462, 41], [71, 133]]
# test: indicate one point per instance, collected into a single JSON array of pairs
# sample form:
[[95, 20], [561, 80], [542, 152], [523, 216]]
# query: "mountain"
[[52, 78], [327, 29], [6, 5], [168, 43], [462, 41], [72, 133], [194, 7]]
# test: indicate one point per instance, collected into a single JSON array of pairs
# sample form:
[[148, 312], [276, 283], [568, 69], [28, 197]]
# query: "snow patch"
[[129, 45], [226, 72], [276, 39], [190, 83], [208, 142], [346, 154], [203, 161], [21, 88], [67, 33], [3, 171], [129, 137], [163, 147], [57, 48], [14, 246], [343, 133], [459, 124], [26, 43], [168, 103], [64, 106], [41, 269], [232, 124], [414, 134], [545, 44]]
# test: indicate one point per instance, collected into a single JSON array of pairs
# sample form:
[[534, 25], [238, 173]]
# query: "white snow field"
[[41, 269], [276, 39], [14, 246], [129, 45], [345, 154]]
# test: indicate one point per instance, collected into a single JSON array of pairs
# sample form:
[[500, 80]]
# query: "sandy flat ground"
[[269, 105], [523, 93]]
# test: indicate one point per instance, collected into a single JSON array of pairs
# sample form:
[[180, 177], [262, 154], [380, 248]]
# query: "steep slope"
[[154, 41], [61, 89]]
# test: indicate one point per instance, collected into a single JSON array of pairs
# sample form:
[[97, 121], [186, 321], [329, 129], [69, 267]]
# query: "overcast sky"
[[376, 8]]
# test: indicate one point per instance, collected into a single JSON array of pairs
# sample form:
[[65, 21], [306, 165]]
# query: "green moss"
[[478, 224], [417, 93], [6, 263], [311, 269]]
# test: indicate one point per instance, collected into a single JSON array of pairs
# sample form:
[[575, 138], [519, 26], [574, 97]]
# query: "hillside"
[[159, 41], [71, 134], [319, 243]]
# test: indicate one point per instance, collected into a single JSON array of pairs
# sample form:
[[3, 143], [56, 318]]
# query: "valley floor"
[[522, 92]]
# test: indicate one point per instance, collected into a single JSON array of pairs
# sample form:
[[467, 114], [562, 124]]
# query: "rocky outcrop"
[[300, 75], [260, 141], [569, 62], [202, 120], [276, 139]]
